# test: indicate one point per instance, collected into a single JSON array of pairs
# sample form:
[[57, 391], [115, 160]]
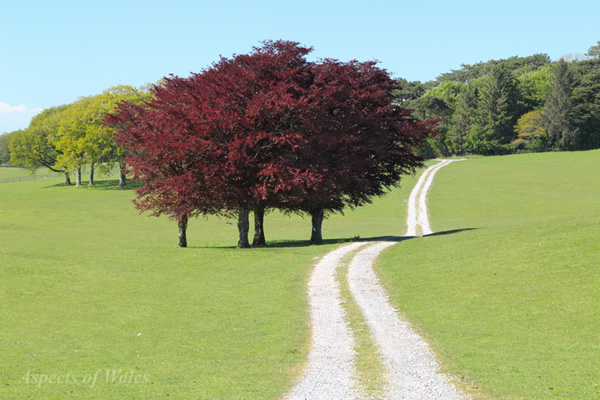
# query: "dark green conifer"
[[498, 109], [556, 114]]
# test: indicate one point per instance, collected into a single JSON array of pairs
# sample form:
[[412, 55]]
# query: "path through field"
[[412, 371]]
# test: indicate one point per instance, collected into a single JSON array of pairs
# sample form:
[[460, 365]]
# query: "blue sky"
[[52, 52]]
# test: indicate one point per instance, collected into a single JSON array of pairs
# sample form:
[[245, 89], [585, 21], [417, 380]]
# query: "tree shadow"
[[108, 184], [306, 243], [403, 238], [451, 232], [274, 244]]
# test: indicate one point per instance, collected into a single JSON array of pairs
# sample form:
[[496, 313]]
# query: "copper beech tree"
[[266, 130], [357, 143]]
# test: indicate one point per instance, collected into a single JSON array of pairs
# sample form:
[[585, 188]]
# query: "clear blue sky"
[[52, 52]]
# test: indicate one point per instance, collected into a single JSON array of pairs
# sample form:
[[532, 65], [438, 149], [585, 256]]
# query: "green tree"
[[71, 141], [467, 73], [556, 115], [463, 117], [535, 86], [408, 91], [519, 65], [35, 147], [427, 108], [498, 109], [111, 153], [594, 51], [84, 139], [447, 91], [4, 146], [524, 65], [586, 111], [531, 134]]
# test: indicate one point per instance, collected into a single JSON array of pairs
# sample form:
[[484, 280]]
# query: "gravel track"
[[412, 369], [413, 372], [417, 202], [331, 371]]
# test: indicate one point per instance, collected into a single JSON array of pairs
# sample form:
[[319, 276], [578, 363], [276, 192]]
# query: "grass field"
[[10, 173], [98, 301], [510, 295]]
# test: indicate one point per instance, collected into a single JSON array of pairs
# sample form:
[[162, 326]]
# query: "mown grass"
[[13, 172], [510, 300], [98, 302]]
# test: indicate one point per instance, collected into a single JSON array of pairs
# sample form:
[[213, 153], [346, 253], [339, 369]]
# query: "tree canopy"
[[485, 100], [561, 133], [265, 130], [4, 146], [67, 137], [35, 147]]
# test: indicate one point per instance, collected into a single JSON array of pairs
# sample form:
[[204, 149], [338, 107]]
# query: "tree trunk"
[[67, 179], [243, 228], [91, 175], [182, 222], [317, 215], [78, 178], [259, 230], [122, 177]]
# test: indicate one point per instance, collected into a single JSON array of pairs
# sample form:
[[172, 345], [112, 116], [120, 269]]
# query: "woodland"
[[518, 104]]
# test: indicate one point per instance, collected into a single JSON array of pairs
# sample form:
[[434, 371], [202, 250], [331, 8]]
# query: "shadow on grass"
[[403, 238], [450, 232], [109, 184], [306, 243], [283, 244]]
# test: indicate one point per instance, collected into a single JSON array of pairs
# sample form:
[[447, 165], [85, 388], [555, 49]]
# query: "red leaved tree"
[[167, 153], [357, 143], [264, 130], [216, 142]]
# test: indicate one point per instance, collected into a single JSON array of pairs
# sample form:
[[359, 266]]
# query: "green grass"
[[510, 297], [13, 172], [87, 285]]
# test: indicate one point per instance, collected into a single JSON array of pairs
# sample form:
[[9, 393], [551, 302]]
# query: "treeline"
[[495, 107], [512, 105], [66, 138], [4, 150]]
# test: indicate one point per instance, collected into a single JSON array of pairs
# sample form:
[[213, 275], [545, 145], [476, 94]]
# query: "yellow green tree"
[[535, 86], [85, 140], [71, 142], [35, 147], [531, 133]]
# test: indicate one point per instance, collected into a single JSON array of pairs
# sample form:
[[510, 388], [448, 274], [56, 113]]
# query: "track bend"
[[413, 373]]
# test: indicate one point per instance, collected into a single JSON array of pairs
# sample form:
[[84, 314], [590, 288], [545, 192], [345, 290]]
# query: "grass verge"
[[509, 295]]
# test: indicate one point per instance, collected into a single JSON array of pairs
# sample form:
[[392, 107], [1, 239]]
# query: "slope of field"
[[508, 289], [98, 302]]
